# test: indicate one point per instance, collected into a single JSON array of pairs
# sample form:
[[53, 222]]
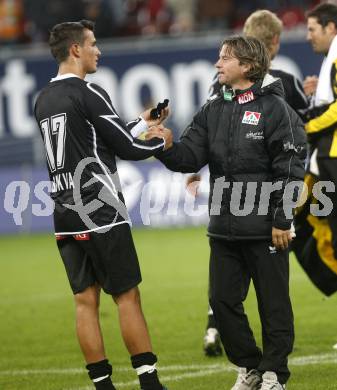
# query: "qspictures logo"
[[108, 195], [163, 197]]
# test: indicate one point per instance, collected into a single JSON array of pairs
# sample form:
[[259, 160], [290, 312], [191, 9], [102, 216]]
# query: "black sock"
[[100, 373], [149, 379]]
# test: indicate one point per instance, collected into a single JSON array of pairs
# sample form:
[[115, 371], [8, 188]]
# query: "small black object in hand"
[[155, 112]]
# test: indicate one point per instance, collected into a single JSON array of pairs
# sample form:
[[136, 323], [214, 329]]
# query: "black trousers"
[[232, 266], [328, 172]]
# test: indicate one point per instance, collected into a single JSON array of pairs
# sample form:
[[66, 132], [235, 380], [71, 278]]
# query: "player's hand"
[[155, 122], [161, 132], [310, 85], [281, 238], [192, 184]]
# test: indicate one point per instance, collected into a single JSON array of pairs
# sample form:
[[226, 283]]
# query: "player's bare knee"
[[131, 296], [89, 298]]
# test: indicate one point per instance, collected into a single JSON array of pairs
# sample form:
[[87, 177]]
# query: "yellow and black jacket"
[[322, 123]]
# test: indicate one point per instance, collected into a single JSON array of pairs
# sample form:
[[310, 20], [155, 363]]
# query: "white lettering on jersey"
[[62, 181]]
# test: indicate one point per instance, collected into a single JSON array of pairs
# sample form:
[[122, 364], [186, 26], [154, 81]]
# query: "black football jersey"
[[83, 134]]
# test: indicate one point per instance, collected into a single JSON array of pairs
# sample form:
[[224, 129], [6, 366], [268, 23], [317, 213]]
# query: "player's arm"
[[298, 100], [190, 154], [287, 149], [326, 121], [107, 123]]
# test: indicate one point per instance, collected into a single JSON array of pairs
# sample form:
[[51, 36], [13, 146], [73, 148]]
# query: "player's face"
[[230, 71], [89, 52], [320, 37]]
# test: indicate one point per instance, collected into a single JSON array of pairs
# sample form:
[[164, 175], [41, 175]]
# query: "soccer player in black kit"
[[83, 134]]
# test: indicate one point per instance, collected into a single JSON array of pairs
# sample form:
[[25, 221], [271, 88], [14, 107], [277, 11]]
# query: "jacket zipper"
[[229, 161]]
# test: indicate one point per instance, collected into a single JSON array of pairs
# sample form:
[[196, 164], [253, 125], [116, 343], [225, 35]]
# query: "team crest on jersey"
[[245, 97], [251, 118]]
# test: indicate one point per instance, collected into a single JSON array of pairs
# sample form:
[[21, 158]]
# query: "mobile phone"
[[155, 112]]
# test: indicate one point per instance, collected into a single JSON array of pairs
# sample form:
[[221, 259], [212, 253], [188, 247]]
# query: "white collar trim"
[[268, 79], [63, 76]]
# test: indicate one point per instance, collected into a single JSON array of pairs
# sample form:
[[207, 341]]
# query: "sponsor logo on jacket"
[[251, 118], [245, 97], [255, 135]]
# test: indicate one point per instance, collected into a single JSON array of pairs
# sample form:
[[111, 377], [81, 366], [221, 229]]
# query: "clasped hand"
[[160, 132]]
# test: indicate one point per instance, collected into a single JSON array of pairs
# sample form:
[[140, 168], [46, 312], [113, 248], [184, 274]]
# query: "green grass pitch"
[[39, 349]]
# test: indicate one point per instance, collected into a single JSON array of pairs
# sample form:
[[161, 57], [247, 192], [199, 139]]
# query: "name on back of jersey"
[[62, 182]]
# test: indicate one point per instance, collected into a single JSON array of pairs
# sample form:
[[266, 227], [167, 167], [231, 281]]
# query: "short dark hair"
[[63, 35], [249, 50], [324, 13]]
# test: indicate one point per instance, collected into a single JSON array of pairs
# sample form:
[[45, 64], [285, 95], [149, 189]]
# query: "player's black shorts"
[[109, 259]]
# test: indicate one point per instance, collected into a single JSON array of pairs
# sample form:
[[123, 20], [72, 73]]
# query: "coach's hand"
[[155, 122], [192, 184], [161, 132], [281, 238]]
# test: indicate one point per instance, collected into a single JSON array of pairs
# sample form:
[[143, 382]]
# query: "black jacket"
[[253, 138]]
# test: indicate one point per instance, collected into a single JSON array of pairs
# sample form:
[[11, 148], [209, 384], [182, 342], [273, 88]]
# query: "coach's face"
[[89, 52], [230, 71], [320, 37]]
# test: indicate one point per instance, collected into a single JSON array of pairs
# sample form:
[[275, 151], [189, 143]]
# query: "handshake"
[[154, 118], [160, 131]]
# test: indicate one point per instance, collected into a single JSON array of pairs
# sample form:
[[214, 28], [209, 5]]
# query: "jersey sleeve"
[[137, 127], [214, 89], [104, 118], [327, 120], [297, 100]]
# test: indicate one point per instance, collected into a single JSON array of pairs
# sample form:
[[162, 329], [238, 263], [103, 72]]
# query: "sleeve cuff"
[[284, 225], [140, 127]]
